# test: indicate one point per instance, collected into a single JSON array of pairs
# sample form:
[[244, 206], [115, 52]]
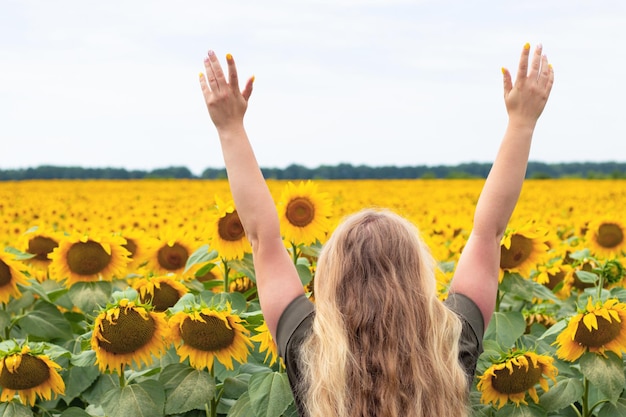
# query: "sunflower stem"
[[226, 271], [593, 407], [214, 399], [122, 379], [498, 300], [294, 253], [600, 285], [573, 407], [586, 398]]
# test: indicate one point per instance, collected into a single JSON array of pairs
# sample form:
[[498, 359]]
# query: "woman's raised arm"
[[477, 271], [277, 279]]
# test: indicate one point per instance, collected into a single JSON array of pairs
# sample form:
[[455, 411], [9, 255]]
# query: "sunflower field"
[[138, 298]]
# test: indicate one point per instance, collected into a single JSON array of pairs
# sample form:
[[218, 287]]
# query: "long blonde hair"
[[382, 343]]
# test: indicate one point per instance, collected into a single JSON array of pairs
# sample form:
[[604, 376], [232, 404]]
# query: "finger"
[[522, 70], [508, 84], [218, 74], [210, 75], [206, 91], [535, 65], [549, 76], [247, 91], [546, 71], [233, 79]]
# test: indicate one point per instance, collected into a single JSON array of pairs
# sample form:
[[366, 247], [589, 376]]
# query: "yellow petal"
[[590, 321]]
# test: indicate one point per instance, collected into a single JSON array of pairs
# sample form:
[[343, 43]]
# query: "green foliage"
[[143, 399], [536, 170]]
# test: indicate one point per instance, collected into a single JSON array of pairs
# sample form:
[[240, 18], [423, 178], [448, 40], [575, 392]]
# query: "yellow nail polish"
[[252, 78], [527, 46], [201, 75], [550, 66], [503, 70], [229, 57]]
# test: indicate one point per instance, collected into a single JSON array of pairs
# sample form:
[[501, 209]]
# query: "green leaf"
[[542, 292], [85, 358], [512, 410], [580, 255], [13, 409], [103, 384], [145, 399], [18, 255], [517, 286], [75, 412], [5, 319], [607, 374], [78, 380], [186, 388], [200, 256], [554, 330], [234, 387], [236, 300], [292, 410], [90, 296], [38, 289], [312, 251], [17, 305], [183, 302], [244, 266], [304, 272], [614, 410], [270, 394], [46, 322], [587, 277], [242, 408], [506, 327], [565, 392]]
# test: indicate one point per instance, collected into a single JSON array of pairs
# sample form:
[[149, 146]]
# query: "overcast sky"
[[376, 82]]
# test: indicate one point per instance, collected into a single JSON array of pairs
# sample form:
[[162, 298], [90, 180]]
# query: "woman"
[[377, 341]]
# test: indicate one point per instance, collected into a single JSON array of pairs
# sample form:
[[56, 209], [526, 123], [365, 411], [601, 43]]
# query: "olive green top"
[[296, 321]]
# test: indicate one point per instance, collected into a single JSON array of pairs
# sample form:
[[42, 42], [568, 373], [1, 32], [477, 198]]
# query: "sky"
[[372, 82]]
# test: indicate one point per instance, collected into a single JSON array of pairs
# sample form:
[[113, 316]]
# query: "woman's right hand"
[[526, 99], [225, 102]]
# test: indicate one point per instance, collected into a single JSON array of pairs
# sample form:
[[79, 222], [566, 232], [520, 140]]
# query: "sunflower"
[[89, 258], [304, 213], [267, 344], [539, 314], [211, 278], [598, 328], [606, 238], [39, 242], [242, 284], [29, 374], [125, 333], [227, 234], [203, 334], [614, 271], [522, 249], [572, 279], [138, 244], [515, 375], [170, 252], [10, 277], [162, 291], [549, 273]]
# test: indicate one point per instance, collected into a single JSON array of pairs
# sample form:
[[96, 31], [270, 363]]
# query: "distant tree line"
[[536, 170]]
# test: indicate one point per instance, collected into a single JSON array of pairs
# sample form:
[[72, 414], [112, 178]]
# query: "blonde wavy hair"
[[382, 343]]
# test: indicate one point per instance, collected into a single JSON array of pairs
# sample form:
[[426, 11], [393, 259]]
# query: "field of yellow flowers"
[[137, 298]]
